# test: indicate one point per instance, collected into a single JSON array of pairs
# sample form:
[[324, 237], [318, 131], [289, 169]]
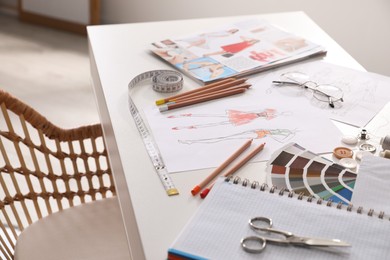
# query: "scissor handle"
[[267, 227], [253, 244]]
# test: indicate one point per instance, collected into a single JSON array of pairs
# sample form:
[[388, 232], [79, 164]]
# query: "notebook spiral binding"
[[300, 196]]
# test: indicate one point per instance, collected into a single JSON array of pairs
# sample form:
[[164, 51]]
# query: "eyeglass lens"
[[324, 93]]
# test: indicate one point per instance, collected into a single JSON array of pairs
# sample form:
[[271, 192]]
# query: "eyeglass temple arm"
[[330, 101], [286, 82]]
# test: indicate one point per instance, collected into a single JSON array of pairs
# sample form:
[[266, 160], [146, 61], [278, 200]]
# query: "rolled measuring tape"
[[165, 81]]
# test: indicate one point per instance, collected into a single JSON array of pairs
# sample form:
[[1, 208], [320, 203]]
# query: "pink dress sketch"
[[232, 117]]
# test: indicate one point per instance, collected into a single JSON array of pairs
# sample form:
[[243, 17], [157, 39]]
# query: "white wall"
[[360, 26]]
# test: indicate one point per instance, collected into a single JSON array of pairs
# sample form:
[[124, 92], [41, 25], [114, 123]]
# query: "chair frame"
[[19, 209]]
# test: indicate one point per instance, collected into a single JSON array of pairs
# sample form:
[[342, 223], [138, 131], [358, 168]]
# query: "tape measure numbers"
[[163, 81]]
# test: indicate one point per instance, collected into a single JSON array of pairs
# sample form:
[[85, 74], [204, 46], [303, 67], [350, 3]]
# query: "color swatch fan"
[[295, 168]]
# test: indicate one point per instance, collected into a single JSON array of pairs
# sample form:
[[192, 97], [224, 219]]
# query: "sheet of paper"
[[204, 135], [365, 94]]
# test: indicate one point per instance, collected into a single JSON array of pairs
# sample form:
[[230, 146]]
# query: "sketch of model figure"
[[232, 117], [279, 135]]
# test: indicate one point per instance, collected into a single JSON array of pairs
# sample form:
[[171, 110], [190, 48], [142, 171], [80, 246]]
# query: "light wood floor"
[[49, 70]]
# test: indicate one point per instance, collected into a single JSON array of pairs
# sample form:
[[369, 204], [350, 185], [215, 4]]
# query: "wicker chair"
[[57, 196]]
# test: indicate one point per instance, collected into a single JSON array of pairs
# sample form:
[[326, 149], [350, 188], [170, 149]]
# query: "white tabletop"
[[118, 54]]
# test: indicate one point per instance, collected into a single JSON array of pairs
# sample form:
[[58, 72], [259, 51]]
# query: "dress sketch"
[[279, 135], [231, 117]]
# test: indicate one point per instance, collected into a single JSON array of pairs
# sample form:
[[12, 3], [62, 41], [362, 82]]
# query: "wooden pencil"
[[204, 193], [244, 160], [218, 170], [209, 90], [167, 107], [221, 84], [185, 98]]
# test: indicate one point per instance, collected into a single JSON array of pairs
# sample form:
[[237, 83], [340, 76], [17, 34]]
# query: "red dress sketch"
[[237, 117], [232, 116]]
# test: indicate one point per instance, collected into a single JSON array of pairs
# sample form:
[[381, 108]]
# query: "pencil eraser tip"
[[204, 193], [195, 190]]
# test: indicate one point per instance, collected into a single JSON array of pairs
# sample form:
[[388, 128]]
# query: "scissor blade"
[[324, 242]]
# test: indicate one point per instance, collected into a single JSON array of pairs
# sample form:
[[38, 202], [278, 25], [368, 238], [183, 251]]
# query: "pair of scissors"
[[256, 244]]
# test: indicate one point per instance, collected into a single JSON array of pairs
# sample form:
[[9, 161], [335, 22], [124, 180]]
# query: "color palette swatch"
[[295, 168]]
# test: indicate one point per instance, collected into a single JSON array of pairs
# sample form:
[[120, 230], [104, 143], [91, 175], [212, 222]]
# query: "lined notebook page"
[[215, 231]]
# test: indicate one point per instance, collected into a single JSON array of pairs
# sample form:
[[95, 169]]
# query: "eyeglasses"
[[321, 92]]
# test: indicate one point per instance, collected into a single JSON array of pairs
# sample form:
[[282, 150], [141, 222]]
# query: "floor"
[[49, 70]]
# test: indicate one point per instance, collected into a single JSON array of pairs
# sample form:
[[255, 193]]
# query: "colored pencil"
[[200, 95], [204, 193], [218, 170], [167, 107], [220, 84], [207, 90]]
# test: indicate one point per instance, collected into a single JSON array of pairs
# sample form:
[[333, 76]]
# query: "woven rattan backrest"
[[45, 169]]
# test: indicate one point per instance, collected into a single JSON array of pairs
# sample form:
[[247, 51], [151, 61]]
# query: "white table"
[[120, 52]]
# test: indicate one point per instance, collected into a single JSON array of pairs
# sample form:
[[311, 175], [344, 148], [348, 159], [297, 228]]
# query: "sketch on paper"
[[279, 135], [210, 133], [230, 117]]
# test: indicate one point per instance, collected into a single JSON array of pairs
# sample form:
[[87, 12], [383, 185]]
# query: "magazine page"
[[233, 50]]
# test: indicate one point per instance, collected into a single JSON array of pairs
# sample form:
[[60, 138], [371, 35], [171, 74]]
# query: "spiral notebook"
[[216, 229]]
